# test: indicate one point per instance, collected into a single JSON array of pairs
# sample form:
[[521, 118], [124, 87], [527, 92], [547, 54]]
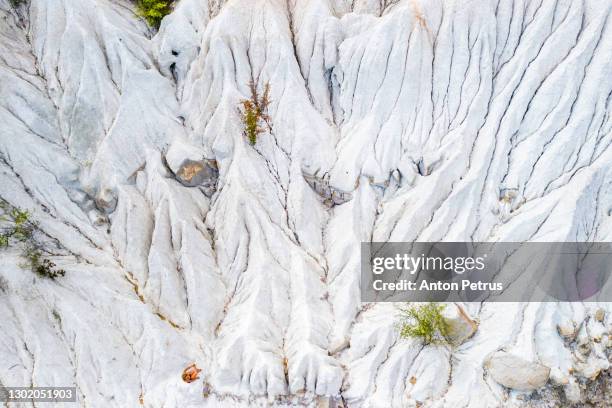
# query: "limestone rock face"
[[391, 121], [515, 372]]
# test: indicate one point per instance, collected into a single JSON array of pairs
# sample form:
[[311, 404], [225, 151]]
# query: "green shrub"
[[425, 322], [254, 112], [17, 3], [153, 10], [17, 228], [43, 267]]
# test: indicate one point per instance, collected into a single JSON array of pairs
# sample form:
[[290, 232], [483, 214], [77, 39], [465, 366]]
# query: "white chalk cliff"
[[443, 120]]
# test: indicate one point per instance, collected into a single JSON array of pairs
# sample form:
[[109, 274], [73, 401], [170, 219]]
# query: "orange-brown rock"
[[191, 373]]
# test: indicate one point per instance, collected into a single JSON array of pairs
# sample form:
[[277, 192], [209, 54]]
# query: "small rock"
[[592, 366], [198, 173], [206, 390], [191, 373], [600, 314], [583, 347], [324, 401], [567, 331], [106, 201], [460, 326], [515, 372], [507, 195]]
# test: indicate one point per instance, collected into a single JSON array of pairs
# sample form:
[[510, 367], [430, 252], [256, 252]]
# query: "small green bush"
[[43, 267], [425, 322], [17, 3], [153, 10], [254, 111], [18, 228]]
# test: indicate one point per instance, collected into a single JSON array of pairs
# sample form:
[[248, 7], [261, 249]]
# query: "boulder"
[[191, 168], [193, 173], [515, 372], [460, 325]]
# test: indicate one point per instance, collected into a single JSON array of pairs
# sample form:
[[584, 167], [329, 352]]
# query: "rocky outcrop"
[[331, 195]]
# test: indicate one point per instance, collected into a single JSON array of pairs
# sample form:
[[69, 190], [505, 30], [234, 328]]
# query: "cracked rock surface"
[[450, 120]]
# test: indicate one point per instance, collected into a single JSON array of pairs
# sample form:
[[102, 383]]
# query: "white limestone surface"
[[446, 120]]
